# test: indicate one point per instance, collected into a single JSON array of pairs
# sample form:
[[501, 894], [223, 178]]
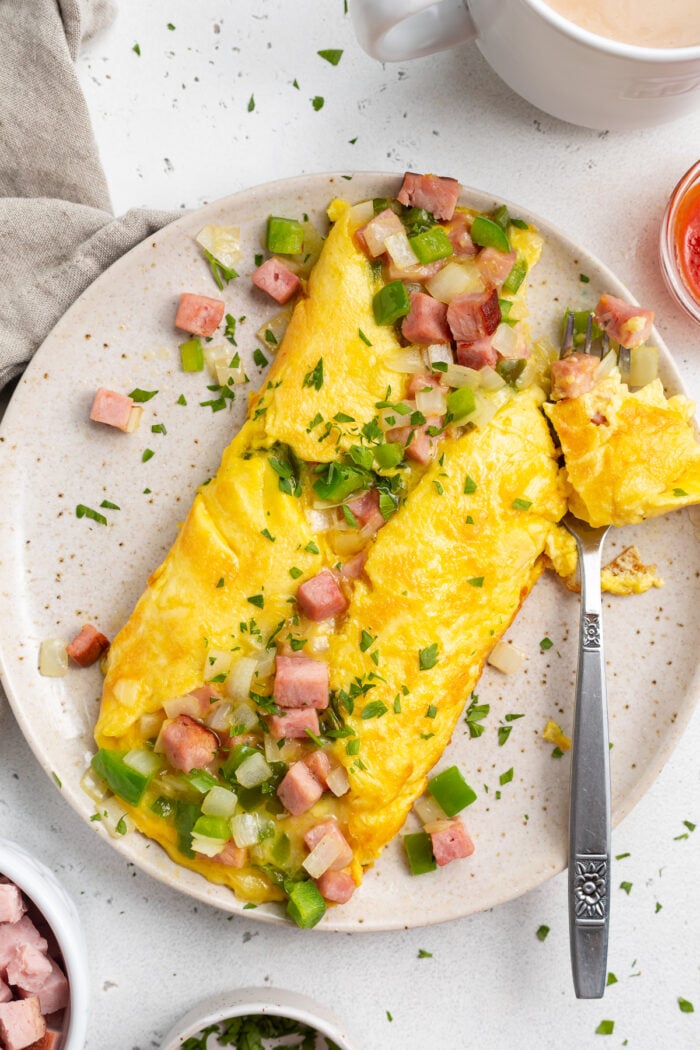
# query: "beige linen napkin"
[[57, 230]]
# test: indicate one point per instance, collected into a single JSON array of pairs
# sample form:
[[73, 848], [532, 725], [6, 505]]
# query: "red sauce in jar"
[[687, 239]]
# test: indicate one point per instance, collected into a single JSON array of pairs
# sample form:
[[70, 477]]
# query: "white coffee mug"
[[563, 69]]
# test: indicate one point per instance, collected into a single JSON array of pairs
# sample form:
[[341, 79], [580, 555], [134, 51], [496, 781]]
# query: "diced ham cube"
[[353, 569], [421, 381], [320, 765], [292, 725], [5, 993], [573, 375], [478, 354], [626, 324], [48, 1041], [373, 235], [28, 968], [87, 646], [54, 993], [301, 682], [15, 934], [336, 886], [320, 597], [299, 789], [436, 194], [420, 445], [494, 266], [473, 315], [426, 321], [21, 1023], [330, 827], [365, 509], [275, 278], [198, 314], [188, 745], [451, 842], [232, 856], [458, 232], [112, 408], [12, 906]]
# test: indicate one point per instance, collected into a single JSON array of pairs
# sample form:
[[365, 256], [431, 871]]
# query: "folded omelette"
[[297, 664]]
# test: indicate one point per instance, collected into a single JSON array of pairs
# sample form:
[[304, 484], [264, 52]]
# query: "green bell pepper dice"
[[461, 402], [124, 781], [306, 905], [431, 245], [284, 236], [451, 791], [192, 355], [516, 276], [419, 850], [390, 303], [488, 234]]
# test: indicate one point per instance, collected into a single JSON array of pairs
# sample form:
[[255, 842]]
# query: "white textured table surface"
[[176, 127]]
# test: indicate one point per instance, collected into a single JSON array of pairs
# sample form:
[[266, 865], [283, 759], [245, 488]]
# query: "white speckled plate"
[[58, 571]]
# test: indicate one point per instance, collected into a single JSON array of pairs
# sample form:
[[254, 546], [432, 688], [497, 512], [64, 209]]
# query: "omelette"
[[297, 664]]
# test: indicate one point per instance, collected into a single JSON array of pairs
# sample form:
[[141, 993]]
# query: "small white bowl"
[[43, 889], [245, 1002]]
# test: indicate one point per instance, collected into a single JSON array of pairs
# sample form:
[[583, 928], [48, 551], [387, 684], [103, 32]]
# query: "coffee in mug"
[[646, 23]]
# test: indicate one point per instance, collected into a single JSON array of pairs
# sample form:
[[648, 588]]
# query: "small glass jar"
[[679, 243]]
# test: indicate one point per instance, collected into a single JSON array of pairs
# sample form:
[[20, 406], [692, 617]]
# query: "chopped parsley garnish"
[[287, 467], [621, 856], [469, 486], [428, 657], [230, 329], [317, 102], [612, 979], [257, 600], [679, 492], [170, 26], [312, 548], [352, 747], [503, 734], [259, 357], [546, 644], [366, 641], [363, 337], [605, 1028], [251, 103], [542, 932], [374, 709], [431, 711], [268, 535], [109, 506], [476, 581], [505, 778], [148, 453], [121, 828], [332, 55], [140, 396], [314, 378], [221, 582], [522, 504], [182, 400], [295, 573], [58, 780], [584, 278], [137, 50], [422, 954], [81, 511], [158, 428], [685, 1006], [476, 713], [220, 273], [270, 337], [626, 886]]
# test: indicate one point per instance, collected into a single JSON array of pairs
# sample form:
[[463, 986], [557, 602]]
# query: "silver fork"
[[589, 806]]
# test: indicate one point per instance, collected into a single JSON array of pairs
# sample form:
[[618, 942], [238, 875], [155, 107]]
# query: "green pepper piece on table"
[[451, 791], [284, 236], [306, 905], [192, 355], [419, 850], [124, 781], [488, 234], [431, 245], [390, 303]]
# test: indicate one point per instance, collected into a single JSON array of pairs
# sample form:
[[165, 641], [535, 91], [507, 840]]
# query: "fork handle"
[[589, 818]]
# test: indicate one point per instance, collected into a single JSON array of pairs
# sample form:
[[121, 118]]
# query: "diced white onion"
[[253, 771], [433, 826], [240, 678], [508, 340], [53, 658], [487, 405], [206, 846], [408, 361], [338, 781], [245, 828], [219, 716], [182, 705], [245, 716], [401, 252], [219, 802], [429, 809], [455, 278], [134, 420], [320, 644], [319, 520], [529, 375], [438, 353], [265, 662], [276, 327], [324, 854], [218, 360], [606, 365], [289, 751], [431, 402], [506, 657], [93, 785], [143, 761], [490, 379], [346, 541], [644, 365], [223, 242], [362, 213], [216, 662], [460, 375], [149, 725]]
